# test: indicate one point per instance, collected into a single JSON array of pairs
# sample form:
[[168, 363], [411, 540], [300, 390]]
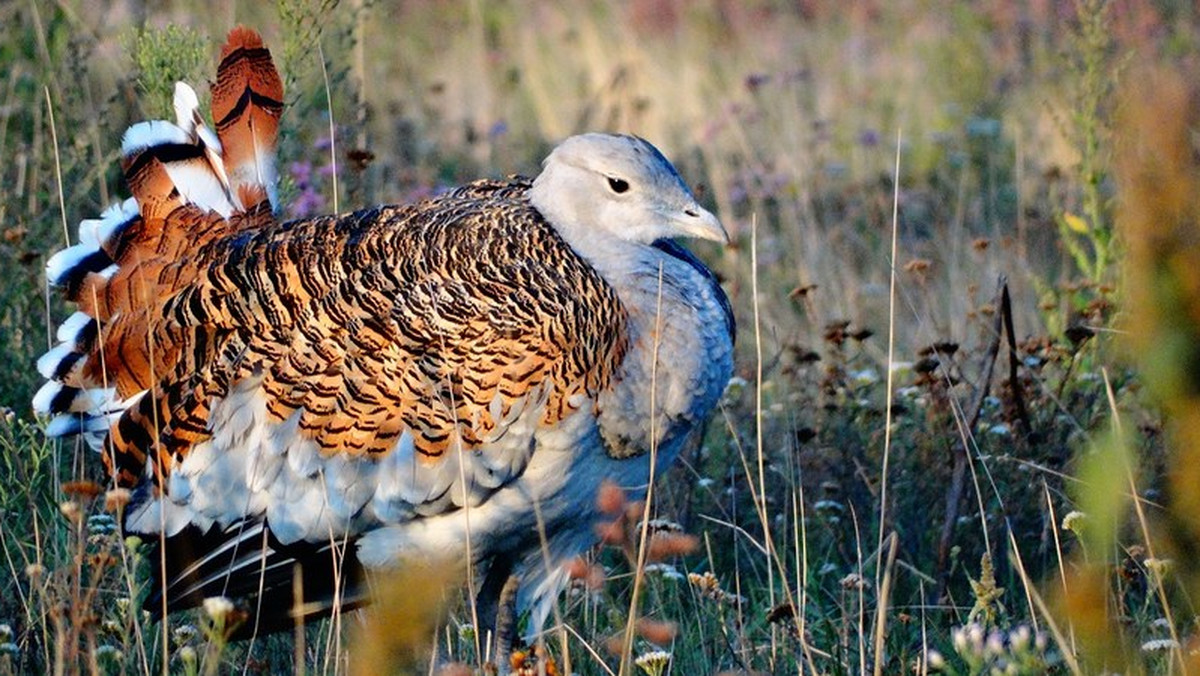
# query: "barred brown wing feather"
[[442, 319]]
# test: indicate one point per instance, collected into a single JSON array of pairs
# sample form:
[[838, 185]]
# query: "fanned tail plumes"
[[247, 103], [190, 187]]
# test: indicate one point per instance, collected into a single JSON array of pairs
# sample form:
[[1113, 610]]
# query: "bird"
[[453, 379]]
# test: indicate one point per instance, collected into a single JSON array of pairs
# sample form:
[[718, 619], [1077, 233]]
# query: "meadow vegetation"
[[964, 435]]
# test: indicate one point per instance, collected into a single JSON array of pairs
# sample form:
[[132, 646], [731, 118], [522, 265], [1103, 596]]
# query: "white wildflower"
[[654, 663], [995, 645], [736, 382], [855, 581], [109, 652], [1159, 567], [864, 377], [184, 633], [466, 633], [1020, 638], [828, 506], [218, 607], [1154, 645], [1074, 521], [662, 526], [971, 641], [664, 570], [935, 661], [959, 638]]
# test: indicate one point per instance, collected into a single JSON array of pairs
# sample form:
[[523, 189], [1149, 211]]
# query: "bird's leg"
[[506, 620], [494, 606]]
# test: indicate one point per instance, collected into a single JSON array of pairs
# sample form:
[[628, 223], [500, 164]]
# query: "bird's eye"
[[618, 185]]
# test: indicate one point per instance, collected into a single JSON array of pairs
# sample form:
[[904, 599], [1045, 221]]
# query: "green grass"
[[785, 118]]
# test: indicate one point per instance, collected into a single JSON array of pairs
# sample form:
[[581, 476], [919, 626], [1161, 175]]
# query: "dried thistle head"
[[84, 491], [611, 532], [657, 632], [455, 669], [610, 499], [855, 581], [71, 510], [918, 266], [116, 500], [591, 575], [987, 594], [665, 545], [709, 586]]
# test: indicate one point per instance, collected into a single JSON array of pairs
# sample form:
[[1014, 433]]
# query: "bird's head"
[[607, 185]]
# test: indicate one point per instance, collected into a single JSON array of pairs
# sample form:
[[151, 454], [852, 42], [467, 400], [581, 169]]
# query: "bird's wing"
[[435, 324], [441, 321]]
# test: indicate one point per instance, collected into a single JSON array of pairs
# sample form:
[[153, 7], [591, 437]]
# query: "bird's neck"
[[615, 259], [680, 352]]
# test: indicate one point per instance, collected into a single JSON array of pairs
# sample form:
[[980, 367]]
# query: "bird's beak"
[[696, 221]]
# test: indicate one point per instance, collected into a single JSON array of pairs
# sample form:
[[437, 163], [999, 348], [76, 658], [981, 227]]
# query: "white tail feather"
[[48, 363], [45, 395], [261, 171], [115, 217], [187, 108], [200, 186], [66, 260], [69, 330], [200, 179], [187, 116], [151, 133]]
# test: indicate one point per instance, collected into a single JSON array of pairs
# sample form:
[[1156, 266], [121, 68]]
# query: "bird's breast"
[[679, 361]]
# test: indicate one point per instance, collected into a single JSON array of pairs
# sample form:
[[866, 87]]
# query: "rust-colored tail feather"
[[190, 187], [247, 101]]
